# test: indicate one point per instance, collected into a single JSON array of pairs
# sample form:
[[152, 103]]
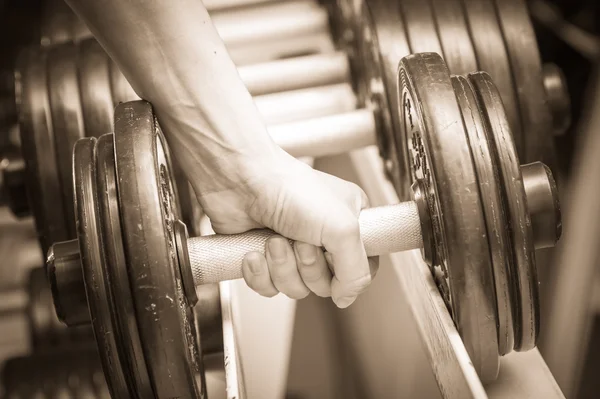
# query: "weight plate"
[[493, 208], [94, 83], [524, 57], [381, 44], [454, 36], [112, 238], [420, 26], [67, 118], [441, 160], [55, 22], [491, 53], [120, 88], [524, 273], [38, 147], [94, 267], [147, 208]]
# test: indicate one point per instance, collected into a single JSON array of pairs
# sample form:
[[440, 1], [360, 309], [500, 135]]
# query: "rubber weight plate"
[[441, 160], [67, 118], [148, 205], [493, 206], [131, 349], [420, 26], [523, 53], [95, 88], [97, 285], [454, 36], [381, 44], [38, 147], [524, 270], [492, 57]]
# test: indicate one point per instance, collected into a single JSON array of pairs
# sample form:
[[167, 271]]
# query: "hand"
[[314, 209]]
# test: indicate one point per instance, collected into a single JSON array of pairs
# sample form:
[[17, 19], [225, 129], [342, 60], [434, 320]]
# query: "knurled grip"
[[383, 230]]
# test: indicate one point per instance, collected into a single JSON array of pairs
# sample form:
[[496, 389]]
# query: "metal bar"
[[329, 135], [295, 73], [306, 104]]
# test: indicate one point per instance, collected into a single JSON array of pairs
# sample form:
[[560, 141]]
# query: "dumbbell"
[[75, 373], [30, 308], [495, 36], [476, 215]]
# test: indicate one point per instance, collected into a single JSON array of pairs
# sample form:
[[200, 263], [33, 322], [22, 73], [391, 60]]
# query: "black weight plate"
[[382, 42], [94, 83], [38, 147], [67, 118], [454, 36], [131, 350], [441, 159], [524, 273], [147, 207], [492, 58], [523, 53], [493, 208], [120, 88], [94, 267], [420, 26]]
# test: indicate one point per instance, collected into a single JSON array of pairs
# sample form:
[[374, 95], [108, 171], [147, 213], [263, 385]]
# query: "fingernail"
[[254, 263], [277, 249], [307, 253], [344, 302]]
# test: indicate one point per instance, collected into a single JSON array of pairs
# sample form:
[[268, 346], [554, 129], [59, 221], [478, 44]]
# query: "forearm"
[[173, 57]]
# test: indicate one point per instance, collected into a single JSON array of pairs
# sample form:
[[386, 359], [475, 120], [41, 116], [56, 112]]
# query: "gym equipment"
[[374, 45], [495, 36], [75, 373], [452, 219]]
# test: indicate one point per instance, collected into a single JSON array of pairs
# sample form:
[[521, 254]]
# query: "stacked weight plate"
[[495, 36]]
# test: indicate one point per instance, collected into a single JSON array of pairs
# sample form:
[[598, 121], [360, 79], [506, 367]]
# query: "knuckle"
[[311, 273]]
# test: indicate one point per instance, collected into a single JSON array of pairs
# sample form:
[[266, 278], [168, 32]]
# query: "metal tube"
[[329, 135], [264, 23], [305, 104], [221, 4], [295, 73]]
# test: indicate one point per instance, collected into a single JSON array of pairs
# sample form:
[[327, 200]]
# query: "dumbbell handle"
[[383, 230]]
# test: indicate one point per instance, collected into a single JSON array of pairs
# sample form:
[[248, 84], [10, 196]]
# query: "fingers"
[[293, 271], [257, 276], [353, 272], [313, 268]]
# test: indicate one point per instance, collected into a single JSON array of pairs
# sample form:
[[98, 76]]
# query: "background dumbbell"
[[463, 217]]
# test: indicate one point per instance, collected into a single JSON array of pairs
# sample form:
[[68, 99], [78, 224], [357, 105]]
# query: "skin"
[[174, 58]]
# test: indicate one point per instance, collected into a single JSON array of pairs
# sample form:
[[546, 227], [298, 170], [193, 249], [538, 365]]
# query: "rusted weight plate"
[[420, 26], [492, 57], [97, 285], [381, 43], [454, 36], [488, 178], [524, 273], [441, 160], [131, 347], [148, 201], [95, 88], [67, 118], [523, 53], [38, 147]]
